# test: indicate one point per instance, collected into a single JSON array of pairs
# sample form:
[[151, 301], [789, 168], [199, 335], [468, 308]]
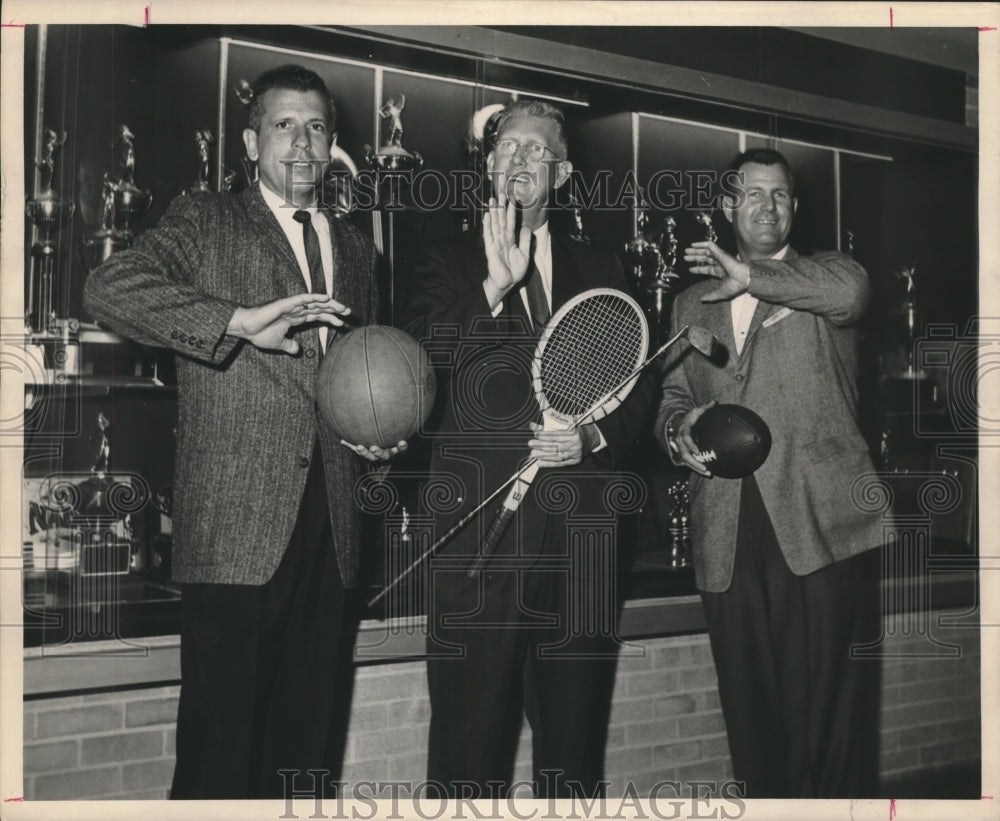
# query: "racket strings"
[[589, 351]]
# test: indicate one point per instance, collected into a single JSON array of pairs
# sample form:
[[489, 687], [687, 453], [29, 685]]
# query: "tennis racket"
[[699, 338], [586, 363]]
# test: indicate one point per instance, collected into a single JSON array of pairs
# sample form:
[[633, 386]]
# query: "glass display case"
[[100, 412]]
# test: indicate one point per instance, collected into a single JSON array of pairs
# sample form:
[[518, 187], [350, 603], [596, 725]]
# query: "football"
[[733, 441]]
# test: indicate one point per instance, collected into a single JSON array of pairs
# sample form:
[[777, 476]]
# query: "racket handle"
[[493, 537]]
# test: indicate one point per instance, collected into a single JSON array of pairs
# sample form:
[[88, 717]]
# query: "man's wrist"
[[494, 295], [670, 431], [235, 326]]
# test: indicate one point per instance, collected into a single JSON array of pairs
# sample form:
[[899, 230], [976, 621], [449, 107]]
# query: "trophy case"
[[120, 120]]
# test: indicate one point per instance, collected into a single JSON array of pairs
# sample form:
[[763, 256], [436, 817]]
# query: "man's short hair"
[[763, 156], [536, 108], [290, 78]]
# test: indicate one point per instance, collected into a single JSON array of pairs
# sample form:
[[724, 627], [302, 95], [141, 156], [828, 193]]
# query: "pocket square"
[[776, 317]]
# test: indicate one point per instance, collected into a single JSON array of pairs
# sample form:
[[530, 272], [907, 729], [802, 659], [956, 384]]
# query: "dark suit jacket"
[[485, 388], [798, 370], [247, 420]]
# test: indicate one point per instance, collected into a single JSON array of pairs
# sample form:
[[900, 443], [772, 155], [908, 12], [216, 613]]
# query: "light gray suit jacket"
[[798, 370], [247, 418]]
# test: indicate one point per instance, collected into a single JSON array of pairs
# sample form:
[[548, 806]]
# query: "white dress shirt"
[[284, 213], [543, 262], [742, 309]]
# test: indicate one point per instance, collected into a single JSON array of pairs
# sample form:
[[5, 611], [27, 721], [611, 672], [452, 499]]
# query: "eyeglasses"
[[532, 151]]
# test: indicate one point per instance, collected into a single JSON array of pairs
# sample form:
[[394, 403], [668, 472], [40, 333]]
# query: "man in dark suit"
[[249, 289], [782, 557], [535, 631]]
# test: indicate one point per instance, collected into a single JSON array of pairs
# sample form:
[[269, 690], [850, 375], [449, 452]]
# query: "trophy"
[[124, 201], [654, 259], [577, 234], [704, 218], [909, 323], [392, 157], [679, 549], [203, 139], [48, 212]]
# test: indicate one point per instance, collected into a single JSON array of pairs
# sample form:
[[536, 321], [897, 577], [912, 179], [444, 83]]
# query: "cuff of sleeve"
[[670, 436]]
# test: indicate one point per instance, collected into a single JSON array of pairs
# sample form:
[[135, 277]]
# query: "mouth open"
[[521, 178]]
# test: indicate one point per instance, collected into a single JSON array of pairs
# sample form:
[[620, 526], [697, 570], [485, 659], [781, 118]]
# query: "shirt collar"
[[780, 255], [278, 205]]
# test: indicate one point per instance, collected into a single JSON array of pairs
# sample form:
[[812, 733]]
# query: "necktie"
[[313, 256], [538, 305]]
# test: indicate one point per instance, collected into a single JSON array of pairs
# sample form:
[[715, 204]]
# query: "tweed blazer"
[[247, 418], [487, 400], [798, 370]]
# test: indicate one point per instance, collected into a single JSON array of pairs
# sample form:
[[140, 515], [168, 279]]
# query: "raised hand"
[[266, 326], [507, 260], [708, 259]]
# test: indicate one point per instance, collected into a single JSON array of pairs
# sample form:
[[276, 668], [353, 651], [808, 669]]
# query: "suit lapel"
[[287, 273], [763, 311], [341, 268], [717, 317], [569, 277]]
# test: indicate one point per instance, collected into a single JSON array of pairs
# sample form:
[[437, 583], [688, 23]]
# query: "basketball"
[[733, 441], [375, 386]]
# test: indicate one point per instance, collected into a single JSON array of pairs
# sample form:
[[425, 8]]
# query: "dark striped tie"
[[538, 304], [313, 256]]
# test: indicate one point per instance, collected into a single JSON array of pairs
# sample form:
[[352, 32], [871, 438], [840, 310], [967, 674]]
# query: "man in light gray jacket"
[[782, 556]]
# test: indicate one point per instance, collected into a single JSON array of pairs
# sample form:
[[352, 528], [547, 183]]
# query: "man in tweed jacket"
[[266, 532], [782, 556]]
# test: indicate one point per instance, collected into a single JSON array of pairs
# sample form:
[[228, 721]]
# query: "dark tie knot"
[[303, 217]]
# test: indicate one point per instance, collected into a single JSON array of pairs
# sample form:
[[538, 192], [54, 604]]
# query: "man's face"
[[529, 182], [764, 220], [292, 147]]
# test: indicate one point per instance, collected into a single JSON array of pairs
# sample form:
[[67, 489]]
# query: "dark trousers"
[[533, 643], [259, 668], [801, 714]]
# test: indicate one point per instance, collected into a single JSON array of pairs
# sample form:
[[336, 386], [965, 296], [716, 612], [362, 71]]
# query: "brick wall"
[[665, 724], [116, 744]]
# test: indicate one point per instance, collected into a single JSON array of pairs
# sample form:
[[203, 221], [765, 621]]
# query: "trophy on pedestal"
[[124, 201], [48, 212], [392, 156]]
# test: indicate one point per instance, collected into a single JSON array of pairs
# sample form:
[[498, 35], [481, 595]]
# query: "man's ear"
[[250, 141], [727, 208], [795, 205], [563, 169]]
